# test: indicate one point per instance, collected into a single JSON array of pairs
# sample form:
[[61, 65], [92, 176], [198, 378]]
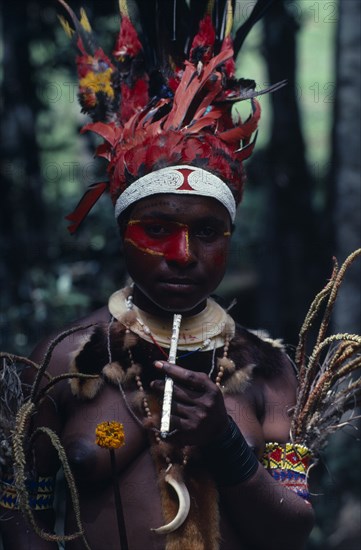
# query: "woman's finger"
[[197, 381], [183, 394]]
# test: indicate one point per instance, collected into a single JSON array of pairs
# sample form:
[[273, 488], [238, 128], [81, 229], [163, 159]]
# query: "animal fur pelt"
[[201, 529], [248, 356]]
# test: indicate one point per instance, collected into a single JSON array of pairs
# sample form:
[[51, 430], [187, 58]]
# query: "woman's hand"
[[198, 412]]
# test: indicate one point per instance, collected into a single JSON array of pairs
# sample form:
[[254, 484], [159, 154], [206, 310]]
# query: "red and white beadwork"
[[289, 464], [184, 180]]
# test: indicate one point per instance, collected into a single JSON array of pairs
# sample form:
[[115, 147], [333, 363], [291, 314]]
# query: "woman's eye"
[[157, 230], [207, 232]]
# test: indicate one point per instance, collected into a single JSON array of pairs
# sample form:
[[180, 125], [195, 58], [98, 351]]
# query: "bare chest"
[[82, 417]]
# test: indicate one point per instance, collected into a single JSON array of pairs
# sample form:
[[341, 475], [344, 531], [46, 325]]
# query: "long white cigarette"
[[168, 388]]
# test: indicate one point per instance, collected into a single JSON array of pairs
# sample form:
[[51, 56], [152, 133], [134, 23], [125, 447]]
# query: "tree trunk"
[[346, 162], [22, 219], [291, 241]]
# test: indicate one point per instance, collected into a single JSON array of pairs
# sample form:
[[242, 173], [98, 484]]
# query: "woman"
[[255, 509], [175, 178]]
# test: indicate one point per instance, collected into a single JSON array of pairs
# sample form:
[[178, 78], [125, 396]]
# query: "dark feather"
[[246, 90], [88, 41], [257, 13]]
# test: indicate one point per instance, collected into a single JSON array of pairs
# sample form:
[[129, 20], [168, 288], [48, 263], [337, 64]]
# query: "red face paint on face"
[[160, 238], [175, 249]]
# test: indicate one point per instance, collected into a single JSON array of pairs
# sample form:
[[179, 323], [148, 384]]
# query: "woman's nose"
[[179, 249]]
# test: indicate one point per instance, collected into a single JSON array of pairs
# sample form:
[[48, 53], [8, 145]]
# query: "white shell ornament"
[[183, 510]]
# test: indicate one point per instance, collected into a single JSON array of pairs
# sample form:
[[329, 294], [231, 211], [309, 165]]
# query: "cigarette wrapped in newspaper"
[[168, 388]]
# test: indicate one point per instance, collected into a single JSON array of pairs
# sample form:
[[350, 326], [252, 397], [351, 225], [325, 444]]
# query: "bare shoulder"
[[65, 342], [279, 395], [273, 384]]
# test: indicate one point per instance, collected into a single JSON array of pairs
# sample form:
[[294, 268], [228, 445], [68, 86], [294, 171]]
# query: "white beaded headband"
[[183, 180]]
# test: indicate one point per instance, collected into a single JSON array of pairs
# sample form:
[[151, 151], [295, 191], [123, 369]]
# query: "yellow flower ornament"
[[110, 435]]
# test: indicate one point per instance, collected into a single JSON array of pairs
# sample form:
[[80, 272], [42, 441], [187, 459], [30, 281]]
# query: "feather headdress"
[[165, 98]]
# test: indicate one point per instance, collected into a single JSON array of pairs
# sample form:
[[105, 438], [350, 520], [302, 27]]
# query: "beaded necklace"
[[170, 461], [138, 380]]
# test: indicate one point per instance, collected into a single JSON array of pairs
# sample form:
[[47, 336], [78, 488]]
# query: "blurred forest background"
[[302, 203]]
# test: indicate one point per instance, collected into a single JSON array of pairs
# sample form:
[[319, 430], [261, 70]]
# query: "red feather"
[[133, 98], [213, 88], [191, 85], [245, 130], [85, 204], [246, 151], [104, 151], [205, 122], [109, 132], [195, 148], [133, 159], [229, 66], [203, 42], [128, 43], [187, 119]]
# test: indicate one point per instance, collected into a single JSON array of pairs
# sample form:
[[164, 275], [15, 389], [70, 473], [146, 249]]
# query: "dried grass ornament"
[[329, 380]]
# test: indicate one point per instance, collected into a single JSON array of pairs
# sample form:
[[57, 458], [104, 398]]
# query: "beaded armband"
[[288, 464], [41, 493]]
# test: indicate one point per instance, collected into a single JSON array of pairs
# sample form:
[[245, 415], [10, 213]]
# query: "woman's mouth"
[[178, 283]]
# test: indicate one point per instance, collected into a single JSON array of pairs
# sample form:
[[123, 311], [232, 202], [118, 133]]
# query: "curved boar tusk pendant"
[[184, 505]]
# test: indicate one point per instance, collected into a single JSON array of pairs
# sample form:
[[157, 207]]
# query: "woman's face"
[[176, 250]]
